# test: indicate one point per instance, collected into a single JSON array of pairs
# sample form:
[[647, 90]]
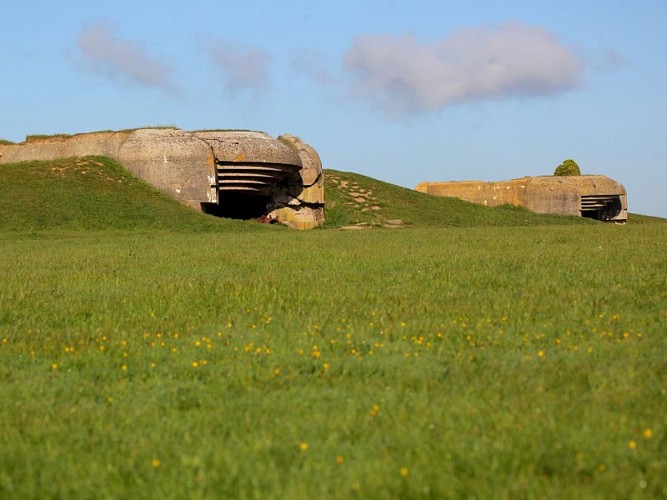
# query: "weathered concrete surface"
[[174, 161], [251, 163], [204, 169], [594, 196], [51, 148], [248, 146], [301, 202]]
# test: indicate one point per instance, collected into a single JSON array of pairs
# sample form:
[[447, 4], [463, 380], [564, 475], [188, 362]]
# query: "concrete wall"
[[51, 148], [174, 161], [491, 194]]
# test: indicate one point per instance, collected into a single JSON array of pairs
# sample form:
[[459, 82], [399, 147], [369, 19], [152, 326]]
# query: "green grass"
[[89, 193], [213, 361]]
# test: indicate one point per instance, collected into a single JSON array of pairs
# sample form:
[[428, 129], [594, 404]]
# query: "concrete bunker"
[[592, 196], [227, 173]]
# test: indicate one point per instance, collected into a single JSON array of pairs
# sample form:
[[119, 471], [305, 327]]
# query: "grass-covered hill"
[[90, 193], [94, 193]]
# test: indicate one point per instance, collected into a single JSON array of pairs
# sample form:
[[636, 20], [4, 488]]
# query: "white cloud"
[[244, 69], [123, 61], [400, 74]]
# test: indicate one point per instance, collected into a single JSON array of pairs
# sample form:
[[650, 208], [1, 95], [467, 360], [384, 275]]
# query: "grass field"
[[162, 353]]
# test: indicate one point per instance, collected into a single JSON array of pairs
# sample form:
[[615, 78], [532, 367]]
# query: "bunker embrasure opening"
[[601, 207], [247, 190], [238, 206]]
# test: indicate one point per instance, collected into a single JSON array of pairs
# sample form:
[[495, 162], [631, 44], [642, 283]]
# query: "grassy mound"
[[354, 199], [94, 193], [89, 193]]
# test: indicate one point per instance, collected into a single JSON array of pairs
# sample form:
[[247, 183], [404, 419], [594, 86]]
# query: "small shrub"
[[568, 167]]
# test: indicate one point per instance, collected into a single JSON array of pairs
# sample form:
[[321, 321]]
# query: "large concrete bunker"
[[593, 196], [229, 173]]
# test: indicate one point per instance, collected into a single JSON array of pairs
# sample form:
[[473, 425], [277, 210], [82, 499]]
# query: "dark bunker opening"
[[238, 206], [601, 207]]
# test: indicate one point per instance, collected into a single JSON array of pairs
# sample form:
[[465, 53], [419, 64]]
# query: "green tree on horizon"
[[568, 167]]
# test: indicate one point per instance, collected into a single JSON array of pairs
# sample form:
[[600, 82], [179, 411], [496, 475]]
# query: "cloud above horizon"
[[401, 75], [123, 61], [244, 69]]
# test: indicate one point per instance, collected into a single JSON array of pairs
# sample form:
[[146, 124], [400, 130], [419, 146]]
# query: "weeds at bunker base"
[[443, 362]]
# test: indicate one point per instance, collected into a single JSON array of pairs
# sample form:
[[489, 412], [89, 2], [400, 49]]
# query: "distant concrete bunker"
[[228, 173], [592, 196]]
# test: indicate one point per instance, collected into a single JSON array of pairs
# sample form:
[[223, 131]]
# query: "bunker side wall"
[[491, 194], [174, 161]]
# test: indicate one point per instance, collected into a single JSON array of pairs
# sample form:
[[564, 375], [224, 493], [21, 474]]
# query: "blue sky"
[[403, 91]]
